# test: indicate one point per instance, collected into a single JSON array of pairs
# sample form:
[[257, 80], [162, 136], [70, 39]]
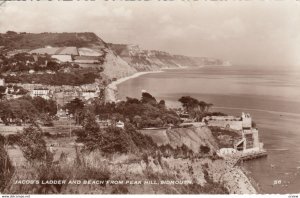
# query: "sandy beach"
[[111, 93]]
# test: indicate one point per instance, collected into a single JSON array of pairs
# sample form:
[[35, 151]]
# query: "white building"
[[41, 92], [89, 94]]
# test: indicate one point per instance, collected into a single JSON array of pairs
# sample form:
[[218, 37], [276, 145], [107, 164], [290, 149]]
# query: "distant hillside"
[[145, 60], [13, 40], [117, 60]]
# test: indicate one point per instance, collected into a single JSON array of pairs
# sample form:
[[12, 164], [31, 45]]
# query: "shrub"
[[32, 144], [6, 169], [204, 149]]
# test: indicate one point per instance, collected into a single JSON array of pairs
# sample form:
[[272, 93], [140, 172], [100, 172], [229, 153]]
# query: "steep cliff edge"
[[192, 137], [147, 60], [116, 67]]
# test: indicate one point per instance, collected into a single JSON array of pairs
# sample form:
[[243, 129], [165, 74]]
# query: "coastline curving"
[[111, 91]]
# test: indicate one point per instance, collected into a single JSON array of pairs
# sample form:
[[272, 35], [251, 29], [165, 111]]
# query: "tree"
[[148, 98], [5, 112], [194, 107], [204, 149], [75, 107], [6, 168], [188, 103], [40, 104], [208, 106], [137, 120], [162, 104], [23, 109], [32, 144], [2, 92]]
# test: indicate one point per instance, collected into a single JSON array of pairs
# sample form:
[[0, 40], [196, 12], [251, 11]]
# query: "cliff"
[[192, 137], [147, 60]]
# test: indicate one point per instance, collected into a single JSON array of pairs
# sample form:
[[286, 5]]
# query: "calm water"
[[271, 96]]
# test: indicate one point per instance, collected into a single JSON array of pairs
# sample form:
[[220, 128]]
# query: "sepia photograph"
[[169, 97]]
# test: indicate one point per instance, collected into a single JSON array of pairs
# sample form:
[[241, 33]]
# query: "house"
[[89, 94], [120, 124], [41, 92], [185, 117], [62, 113]]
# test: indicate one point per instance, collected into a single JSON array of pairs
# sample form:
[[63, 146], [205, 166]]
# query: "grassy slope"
[[32, 41]]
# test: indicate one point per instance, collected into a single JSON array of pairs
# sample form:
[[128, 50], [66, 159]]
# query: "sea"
[[270, 94]]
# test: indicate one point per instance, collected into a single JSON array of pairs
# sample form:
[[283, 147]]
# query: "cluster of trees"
[[14, 40], [13, 89], [195, 108], [24, 62], [27, 109], [76, 107], [146, 112], [142, 113], [112, 139], [33, 147], [75, 78]]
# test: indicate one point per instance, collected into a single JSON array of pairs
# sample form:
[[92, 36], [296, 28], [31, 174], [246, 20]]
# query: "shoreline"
[[237, 181], [111, 91], [234, 178]]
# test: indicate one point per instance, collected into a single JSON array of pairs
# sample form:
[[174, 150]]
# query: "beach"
[[111, 92]]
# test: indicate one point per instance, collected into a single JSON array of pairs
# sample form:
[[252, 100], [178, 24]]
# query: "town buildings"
[[41, 92]]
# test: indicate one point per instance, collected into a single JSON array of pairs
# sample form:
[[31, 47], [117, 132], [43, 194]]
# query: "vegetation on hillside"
[[45, 70], [195, 108], [143, 113], [6, 168], [104, 143], [112, 139], [73, 78], [27, 109], [23, 62], [13, 40], [225, 137]]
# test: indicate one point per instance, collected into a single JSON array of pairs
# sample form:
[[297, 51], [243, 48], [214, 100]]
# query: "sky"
[[245, 32]]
